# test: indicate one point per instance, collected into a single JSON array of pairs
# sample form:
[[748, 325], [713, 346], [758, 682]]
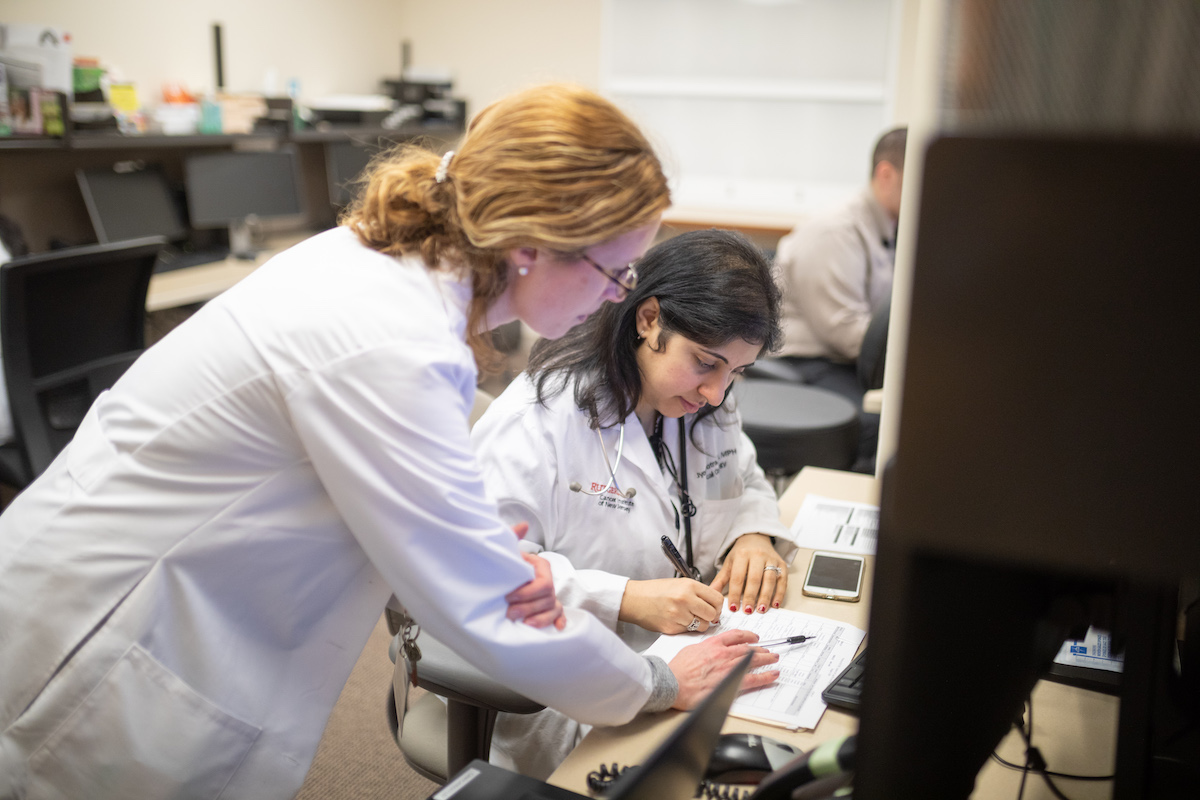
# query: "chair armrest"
[[445, 673]]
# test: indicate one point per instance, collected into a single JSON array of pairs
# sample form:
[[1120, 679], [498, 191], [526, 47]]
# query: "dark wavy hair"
[[712, 287]]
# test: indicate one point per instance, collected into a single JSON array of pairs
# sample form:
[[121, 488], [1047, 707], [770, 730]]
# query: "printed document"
[[794, 700], [823, 523], [1094, 650]]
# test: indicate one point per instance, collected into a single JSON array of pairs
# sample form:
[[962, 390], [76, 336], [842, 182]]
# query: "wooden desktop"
[[1074, 729], [189, 285]]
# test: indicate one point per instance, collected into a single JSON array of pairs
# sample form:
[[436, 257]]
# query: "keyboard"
[[845, 692], [173, 258]]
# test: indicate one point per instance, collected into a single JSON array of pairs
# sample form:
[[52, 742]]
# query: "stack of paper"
[[794, 700], [826, 524]]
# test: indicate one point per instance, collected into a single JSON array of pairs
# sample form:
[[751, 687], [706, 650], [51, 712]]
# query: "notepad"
[[794, 700]]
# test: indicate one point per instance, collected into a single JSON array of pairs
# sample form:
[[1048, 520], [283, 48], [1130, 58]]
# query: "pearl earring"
[[522, 271]]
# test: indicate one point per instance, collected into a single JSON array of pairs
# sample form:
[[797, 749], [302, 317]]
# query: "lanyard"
[[665, 461]]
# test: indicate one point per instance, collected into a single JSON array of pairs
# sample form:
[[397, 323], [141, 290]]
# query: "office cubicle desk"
[[190, 285], [763, 228], [1074, 729], [41, 194]]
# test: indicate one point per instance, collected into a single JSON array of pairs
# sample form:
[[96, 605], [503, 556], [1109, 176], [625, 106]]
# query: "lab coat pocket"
[[90, 456], [142, 732], [715, 519]]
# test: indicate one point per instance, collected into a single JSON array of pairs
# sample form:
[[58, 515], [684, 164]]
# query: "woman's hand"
[[535, 602], [700, 667], [669, 605], [752, 586]]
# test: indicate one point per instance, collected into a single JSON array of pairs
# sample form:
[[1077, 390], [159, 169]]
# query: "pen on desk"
[[676, 559], [788, 640]]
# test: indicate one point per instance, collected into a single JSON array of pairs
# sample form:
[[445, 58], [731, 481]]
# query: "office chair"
[[71, 323], [873, 352], [441, 736], [794, 426], [451, 724]]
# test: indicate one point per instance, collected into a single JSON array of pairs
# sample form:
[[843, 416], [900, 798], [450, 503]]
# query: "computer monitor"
[[344, 164], [235, 189], [1045, 472], [130, 204], [675, 768]]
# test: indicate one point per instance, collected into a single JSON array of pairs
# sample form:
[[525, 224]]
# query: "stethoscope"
[[686, 508], [612, 468]]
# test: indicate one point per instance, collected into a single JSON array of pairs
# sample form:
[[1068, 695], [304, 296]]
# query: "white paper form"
[[1094, 650], [823, 523], [794, 700]]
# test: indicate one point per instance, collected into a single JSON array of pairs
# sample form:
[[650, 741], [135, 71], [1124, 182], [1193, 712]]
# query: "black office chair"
[[71, 323], [873, 353], [794, 426]]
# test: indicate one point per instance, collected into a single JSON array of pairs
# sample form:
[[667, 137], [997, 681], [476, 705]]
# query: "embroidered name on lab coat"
[[612, 499], [713, 468]]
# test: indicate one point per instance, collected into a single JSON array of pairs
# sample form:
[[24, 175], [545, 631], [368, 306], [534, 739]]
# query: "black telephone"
[[747, 758], [777, 768], [830, 761]]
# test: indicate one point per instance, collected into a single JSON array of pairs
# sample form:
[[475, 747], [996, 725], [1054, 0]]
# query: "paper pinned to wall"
[[823, 523]]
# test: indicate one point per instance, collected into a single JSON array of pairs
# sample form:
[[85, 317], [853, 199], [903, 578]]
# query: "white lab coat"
[[186, 589], [530, 455]]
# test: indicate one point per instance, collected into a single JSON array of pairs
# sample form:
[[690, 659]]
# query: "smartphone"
[[834, 576]]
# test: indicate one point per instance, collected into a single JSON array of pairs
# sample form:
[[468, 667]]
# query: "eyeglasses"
[[626, 276]]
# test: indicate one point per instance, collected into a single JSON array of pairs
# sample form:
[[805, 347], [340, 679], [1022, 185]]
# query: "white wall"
[[344, 47], [491, 46], [494, 47]]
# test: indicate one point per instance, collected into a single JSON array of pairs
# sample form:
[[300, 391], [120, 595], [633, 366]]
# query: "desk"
[[1075, 729], [628, 744], [181, 287], [763, 228]]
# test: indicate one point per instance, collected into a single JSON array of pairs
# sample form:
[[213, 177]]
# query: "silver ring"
[[773, 568], [694, 626]]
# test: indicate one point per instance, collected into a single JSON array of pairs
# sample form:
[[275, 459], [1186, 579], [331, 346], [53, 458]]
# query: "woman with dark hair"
[[618, 434]]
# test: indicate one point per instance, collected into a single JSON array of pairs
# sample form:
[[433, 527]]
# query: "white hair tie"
[[440, 175]]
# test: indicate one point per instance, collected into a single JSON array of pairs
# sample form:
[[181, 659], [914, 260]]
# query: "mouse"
[[747, 758]]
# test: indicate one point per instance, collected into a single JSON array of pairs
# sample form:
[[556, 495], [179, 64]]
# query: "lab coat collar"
[[454, 286]]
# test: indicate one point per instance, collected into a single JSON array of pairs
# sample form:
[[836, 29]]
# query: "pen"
[[676, 559], [788, 640]]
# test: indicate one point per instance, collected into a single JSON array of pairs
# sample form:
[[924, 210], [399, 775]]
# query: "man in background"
[[836, 272]]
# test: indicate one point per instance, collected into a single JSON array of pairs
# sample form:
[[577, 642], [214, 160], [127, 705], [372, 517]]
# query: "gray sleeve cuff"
[[666, 688]]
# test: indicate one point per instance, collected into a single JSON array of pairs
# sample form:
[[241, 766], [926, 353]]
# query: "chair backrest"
[[874, 349], [71, 322]]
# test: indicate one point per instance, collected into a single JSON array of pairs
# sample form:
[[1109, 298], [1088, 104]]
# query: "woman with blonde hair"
[[185, 590]]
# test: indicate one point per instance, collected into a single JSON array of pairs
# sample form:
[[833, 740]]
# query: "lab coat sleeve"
[[592, 590], [386, 432], [759, 509], [520, 461]]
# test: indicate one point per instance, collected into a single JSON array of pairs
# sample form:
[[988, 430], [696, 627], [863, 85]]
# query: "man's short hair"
[[890, 148]]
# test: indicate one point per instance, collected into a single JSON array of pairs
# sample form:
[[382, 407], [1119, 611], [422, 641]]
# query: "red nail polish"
[[749, 609], [733, 606], [762, 609], [775, 605]]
